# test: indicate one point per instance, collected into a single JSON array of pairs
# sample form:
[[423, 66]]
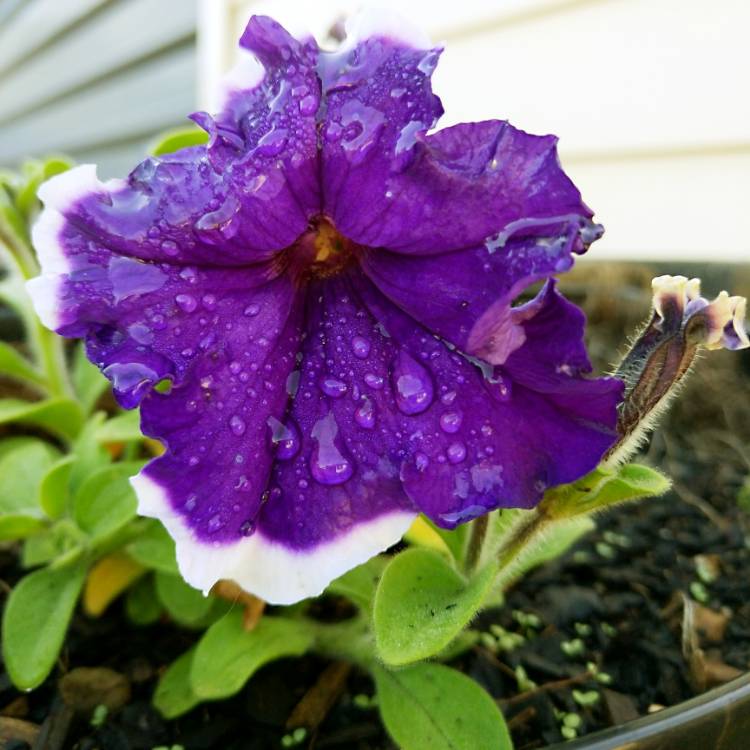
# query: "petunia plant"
[[342, 329]]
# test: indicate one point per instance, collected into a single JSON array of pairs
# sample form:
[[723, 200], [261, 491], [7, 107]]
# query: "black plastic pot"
[[716, 720]]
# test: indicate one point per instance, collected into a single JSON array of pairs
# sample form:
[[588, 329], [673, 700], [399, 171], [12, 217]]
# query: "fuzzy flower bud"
[[659, 359]]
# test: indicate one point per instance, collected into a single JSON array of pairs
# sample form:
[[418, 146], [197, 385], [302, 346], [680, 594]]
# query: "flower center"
[[320, 252]]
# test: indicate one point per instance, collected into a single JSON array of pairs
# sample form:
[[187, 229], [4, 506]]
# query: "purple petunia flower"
[[330, 292]]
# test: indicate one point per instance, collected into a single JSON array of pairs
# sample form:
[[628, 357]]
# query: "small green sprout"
[[699, 592], [586, 698], [574, 647], [583, 629], [297, 737], [605, 550], [525, 683], [99, 716]]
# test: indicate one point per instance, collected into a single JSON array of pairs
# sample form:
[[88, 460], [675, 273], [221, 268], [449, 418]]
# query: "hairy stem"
[[48, 346], [477, 538]]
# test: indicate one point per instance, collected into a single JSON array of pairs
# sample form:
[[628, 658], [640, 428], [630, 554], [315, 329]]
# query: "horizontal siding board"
[[682, 208], [116, 37], [36, 23], [141, 100], [640, 74], [114, 160]]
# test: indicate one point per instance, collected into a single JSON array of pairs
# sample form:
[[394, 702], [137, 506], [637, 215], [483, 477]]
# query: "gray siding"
[[95, 79]]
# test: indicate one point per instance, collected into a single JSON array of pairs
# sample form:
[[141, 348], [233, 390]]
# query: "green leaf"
[[54, 490], [90, 454], [228, 656], [602, 489], [21, 470], [59, 416], [422, 604], [88, 382], [174, 695], [142, 606], [154, 549], [106, 502], [359, 583], [37, 173], [35, 620], [186, 605], [435, 707], [42, 548], [122, 428], [17, 366], [174, 140], [19, 526]]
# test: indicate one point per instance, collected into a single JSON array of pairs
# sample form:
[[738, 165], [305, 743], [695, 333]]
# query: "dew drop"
[[209, 301], [361, 347], [328, 464], [412, 385], [333, 388], [186, 302], [365, 415], [237, 424], [374, 381], [448, 398], [421, 461], [450, 422], [252, 310], [308, 105], [456, 453], [170, 247], [285, 437], [215, 523]]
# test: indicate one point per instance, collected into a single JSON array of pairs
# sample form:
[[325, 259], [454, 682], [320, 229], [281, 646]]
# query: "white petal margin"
[[271, 571], [245, 75], [58, 194]]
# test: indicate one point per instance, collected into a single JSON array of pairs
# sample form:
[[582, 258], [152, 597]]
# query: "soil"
[[657, 598]]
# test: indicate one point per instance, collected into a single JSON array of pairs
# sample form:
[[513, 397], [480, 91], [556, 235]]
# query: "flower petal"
[[387, 184], [334, 497], [496, 437], [378, 103]]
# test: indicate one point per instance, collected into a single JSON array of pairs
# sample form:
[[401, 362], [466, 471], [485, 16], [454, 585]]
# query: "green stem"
[[350, 641], [48, 346], [511, 551], [476, 542]]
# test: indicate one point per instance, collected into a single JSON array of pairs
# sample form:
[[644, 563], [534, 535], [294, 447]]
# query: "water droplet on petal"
[[215, 523], [170, 247], [365, 415], [285, 437], [247, 527], [308, 105], [361, 347], [448, 398], [333, 388], [456, 453], [237, 424], [450, 422], [252, 310], [186, 302], [209, 301], [421, 461], [374, 381], [328, 464], [412, 385]]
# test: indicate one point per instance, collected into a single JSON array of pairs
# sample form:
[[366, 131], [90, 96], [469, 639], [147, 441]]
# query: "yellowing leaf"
[[107, 579], [421, 534]]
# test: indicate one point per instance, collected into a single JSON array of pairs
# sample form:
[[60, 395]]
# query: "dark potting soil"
[[614, 604]]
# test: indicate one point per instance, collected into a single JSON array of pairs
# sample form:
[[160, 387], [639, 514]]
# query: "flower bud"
[[659, 359]]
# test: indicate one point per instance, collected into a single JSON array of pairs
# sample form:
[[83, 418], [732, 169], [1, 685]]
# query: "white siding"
[[93, 77], [648, 98]]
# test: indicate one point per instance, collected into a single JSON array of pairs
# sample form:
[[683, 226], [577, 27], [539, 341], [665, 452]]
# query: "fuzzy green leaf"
[[35, 620], [21, 470], [186, 605], [174, 695], [142, 606], [122, 428], [604, 488], [435, 707], [422, 604], [59, 416], [54, 489], [359, 584], [178, 138], [105, 502], [17, 366], [228, 656], [154, 549]]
